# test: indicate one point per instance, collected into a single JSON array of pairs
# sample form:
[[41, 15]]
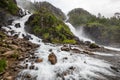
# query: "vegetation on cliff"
[[9, 6], [51, 29], [100, 29], [8, 9]]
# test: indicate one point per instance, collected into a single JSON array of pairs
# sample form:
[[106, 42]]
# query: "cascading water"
[[69, 66], [79, 32]]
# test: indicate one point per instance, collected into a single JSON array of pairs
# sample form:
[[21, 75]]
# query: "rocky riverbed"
[[14, 51]]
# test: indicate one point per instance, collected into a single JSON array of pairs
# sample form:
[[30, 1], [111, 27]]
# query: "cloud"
[[105, 7]]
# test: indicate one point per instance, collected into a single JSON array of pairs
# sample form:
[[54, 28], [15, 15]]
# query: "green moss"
[[46, 35], [93, 45], [3, 64], [36, 29], [69, 41]]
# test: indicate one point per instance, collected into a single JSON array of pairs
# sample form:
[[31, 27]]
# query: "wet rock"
[[76, 50], [27, 37], [50, 50], [52, 58], [93, 45], [26, 66], [32, 66], [65, 48], [88, 52], [87, 42], [114, 68], [9, 22], [71, 68], [28, 76], [39, 60], [16, 36], [17, 25]]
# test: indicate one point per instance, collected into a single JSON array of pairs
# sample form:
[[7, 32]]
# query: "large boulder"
[[52, 58]]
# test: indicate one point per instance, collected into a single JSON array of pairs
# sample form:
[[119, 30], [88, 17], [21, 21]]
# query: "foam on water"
[[84, 66]]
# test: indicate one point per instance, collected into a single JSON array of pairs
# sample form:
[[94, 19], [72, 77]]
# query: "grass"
[[3, 64]]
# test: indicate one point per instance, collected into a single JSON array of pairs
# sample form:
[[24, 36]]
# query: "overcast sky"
[[105, 7]]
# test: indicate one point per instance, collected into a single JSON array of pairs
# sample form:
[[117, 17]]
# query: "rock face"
[[52, 58], [46, 26]]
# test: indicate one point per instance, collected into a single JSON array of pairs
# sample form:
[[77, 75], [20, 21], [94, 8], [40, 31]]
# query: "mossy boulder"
[[93, 45], [51, 29]]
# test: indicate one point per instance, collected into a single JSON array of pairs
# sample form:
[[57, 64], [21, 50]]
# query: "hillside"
[[102, 30]]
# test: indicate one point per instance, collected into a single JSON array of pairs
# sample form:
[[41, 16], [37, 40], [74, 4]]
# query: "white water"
[[79, 32], [85, 66]]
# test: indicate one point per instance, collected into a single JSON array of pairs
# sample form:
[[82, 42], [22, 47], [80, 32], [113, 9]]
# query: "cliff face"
[[8, 9], [100, 29]]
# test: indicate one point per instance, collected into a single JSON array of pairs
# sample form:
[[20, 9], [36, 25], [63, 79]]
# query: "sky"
[[105, 7]]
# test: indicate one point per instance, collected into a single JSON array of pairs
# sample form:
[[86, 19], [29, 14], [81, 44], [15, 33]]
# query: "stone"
[[17, 25], [6, 74], [28, 76], [65, 48], [13, 46], [8, 53], [21, 58], [9, 78], [93, 45], [39, 60], [32, 66], [114, 68], [88, 52], [76, 50], [52, 58], [87, 42], [26, 66], [50, 50]]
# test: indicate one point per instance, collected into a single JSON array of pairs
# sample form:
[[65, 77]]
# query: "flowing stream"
[[69, 66]]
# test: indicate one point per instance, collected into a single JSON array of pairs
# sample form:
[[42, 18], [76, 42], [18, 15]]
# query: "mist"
[[105, 7]]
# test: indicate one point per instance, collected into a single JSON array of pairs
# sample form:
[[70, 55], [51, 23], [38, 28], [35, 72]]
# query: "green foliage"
[[100, 29], [3, 64], [10, 6], [45, 25]]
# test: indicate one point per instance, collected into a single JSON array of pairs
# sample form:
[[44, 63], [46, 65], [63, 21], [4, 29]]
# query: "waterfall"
[[69, 66], [79, 32]]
